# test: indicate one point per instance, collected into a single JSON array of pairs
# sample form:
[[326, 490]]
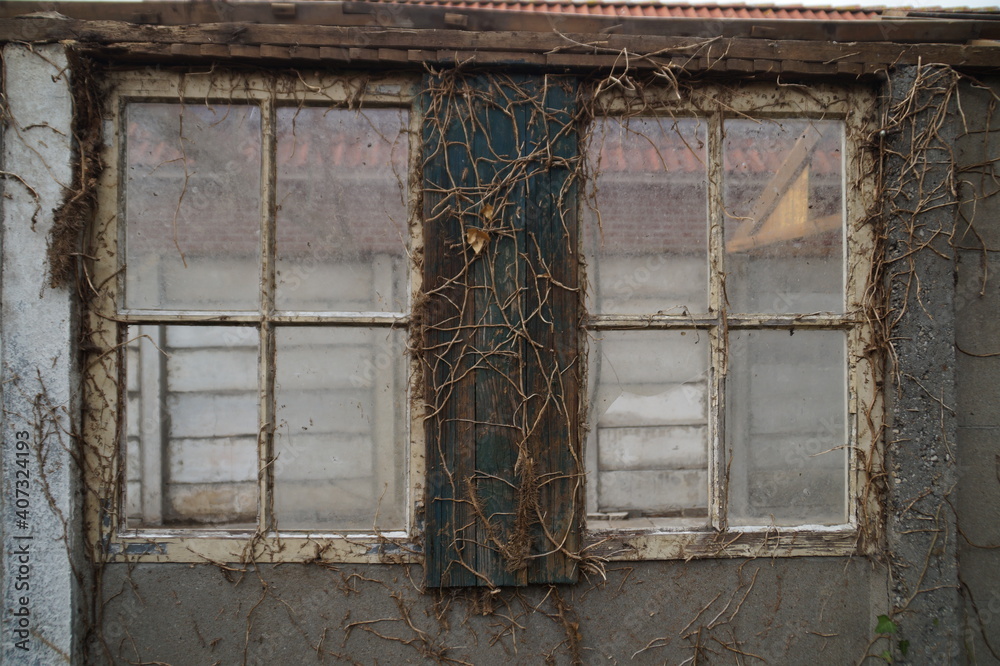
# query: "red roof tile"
[[660, 10]]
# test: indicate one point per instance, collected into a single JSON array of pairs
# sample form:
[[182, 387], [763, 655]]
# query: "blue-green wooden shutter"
[[500, 330]]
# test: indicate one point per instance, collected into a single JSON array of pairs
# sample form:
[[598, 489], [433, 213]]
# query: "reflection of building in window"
[[264, 300], [723, 239]]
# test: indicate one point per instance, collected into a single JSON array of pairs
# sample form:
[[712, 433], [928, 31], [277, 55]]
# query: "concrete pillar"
[[39, 502], [921, 437]]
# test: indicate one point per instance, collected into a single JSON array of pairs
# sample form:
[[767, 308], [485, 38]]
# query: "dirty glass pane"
[[192, 207], [784, 216], [785, 428], [341, 429], [647, 453], [191, 440], [646, 233], [341, 219]]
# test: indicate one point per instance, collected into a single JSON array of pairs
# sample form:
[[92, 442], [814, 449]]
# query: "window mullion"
[[718, 490], [266, 364]]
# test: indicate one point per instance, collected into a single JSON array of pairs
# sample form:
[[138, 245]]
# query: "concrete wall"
[[41, 566], [802, 611], [977, 335]]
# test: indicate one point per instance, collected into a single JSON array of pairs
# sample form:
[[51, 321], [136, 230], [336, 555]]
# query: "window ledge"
[[811, 540], [218, 547]]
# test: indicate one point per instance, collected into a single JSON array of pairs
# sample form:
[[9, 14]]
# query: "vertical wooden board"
[[517, 410], [499, 276], [447, 172], [552, 309]]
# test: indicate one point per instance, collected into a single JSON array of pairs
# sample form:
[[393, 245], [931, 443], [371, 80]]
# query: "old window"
[[253, 258], [354, 318], [729, 392]]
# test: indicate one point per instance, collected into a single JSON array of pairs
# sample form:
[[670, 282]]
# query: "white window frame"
[[713, 102], [105, 352], [107, 318]]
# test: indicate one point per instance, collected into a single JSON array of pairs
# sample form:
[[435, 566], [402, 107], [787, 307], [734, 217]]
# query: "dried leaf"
[[476, 238], [488, 213]]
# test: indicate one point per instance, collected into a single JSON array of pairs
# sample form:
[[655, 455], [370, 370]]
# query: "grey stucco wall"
[[791, 611], [977, 334], [921, 426], [41, 567]]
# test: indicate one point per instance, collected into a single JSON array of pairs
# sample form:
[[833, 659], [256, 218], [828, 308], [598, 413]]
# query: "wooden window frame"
[[106, 319], [104, 351], [713, 102]]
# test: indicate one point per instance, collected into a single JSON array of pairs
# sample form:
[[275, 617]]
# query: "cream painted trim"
[[855, 106], [103, 435], [102, 430]]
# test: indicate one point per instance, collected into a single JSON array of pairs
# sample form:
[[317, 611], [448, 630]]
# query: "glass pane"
[[191, 441], [342, 223], [786, 401], [646, 235], [340, 441], [647, 453], [784, 223], [192, 207]]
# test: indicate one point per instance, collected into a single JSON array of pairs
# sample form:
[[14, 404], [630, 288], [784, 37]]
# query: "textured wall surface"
[[40, 515], [921, 428], [785, 611], [977, 334]]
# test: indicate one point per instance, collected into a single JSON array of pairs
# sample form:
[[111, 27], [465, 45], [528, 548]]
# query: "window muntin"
[[785, 320]]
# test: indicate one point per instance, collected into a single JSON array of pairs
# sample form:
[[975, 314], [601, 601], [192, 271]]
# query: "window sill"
[[812, 540], [218, 547]]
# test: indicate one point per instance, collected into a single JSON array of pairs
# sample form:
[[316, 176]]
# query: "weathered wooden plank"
[[244, 51], [904, 47], [826, 61], [304, 52], [500, 132], [420, 55], [933, 28], [185, 49], [524, 497], [214, 50], [355, 53], [553, 312], [334, 53], [276, 51], [449, 546], [739, 65], [392, 55]]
